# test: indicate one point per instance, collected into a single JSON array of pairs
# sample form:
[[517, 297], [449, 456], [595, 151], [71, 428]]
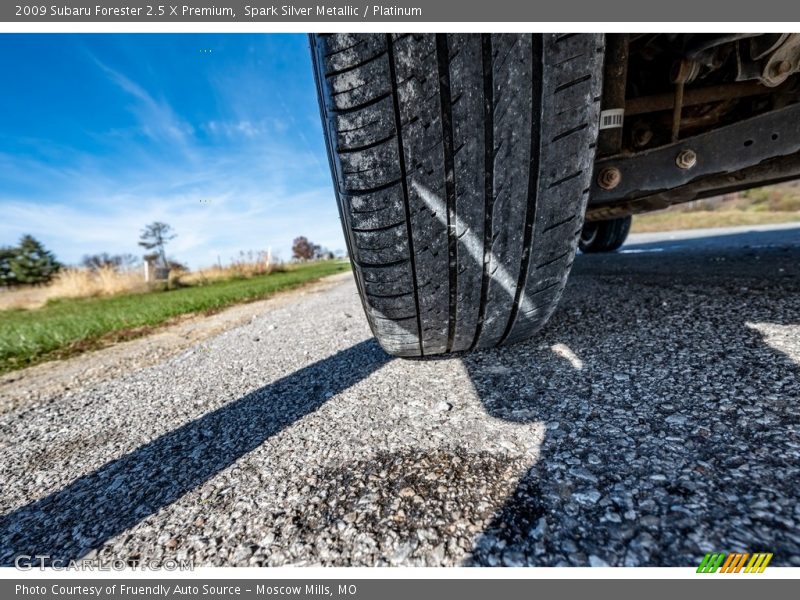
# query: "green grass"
[[65, 327]]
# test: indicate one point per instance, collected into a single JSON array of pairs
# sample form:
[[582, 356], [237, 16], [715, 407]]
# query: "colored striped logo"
[[734, 562]]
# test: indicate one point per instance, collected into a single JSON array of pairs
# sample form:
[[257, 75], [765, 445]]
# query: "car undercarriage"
[[688, 116]]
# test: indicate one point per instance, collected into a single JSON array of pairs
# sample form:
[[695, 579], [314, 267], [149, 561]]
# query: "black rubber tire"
[[462, 165], [604, 236]]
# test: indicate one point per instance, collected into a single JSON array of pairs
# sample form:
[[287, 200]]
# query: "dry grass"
[[75, 283], [22, 297], [86, 283], [212, 274], [700, 219], [107, 281], [248, 264]]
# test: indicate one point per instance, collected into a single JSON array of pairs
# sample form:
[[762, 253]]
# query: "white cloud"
[[234, 129]]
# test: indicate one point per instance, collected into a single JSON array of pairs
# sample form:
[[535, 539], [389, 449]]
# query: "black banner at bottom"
[[390, 589]]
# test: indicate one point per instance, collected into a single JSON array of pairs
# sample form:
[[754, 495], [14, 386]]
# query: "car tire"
[[604, 236], [462, 166]]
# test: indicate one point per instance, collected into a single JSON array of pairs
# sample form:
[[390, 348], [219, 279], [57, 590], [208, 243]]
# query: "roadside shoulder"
[[57, 377]]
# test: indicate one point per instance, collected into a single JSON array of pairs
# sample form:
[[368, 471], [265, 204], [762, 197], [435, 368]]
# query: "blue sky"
[[217, 135]]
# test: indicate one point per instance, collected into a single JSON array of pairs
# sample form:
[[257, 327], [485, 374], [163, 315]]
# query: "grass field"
[[67, 326], [701, 219], [760, 206]]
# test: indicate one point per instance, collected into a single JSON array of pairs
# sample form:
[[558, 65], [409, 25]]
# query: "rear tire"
[[604, 236], [462, 165]]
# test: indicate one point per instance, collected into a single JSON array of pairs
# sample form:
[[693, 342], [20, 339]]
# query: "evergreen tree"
[[32, 263], [6, 275]]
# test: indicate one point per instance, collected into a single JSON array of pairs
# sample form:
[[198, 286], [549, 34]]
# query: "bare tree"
[[155, 237], [303, 249], [112, 261]]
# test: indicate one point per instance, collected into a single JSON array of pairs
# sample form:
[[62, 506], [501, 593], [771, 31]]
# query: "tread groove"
[[335, 52], [552, 260], [559, 224], [564, 61], [569, 84], [400, 295], [354, 67], [545, 288], [537, 57], [365, 146], [376, 229], [445, 100], [406, 205], [372, 190], [362, 106], [386, 265], [569, 132], [348, 90], [359, 128], [565, 179], [385, 318], [488, 186]]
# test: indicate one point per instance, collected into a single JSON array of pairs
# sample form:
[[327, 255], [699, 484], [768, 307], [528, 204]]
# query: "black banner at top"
[[442, 11]]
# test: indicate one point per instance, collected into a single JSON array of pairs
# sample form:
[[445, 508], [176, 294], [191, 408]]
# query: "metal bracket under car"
[[725, 150]]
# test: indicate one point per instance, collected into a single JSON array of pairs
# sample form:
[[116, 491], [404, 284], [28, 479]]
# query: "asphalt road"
[[654, 419]]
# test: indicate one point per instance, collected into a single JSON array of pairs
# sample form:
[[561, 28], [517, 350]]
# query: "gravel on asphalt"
[[653, 420]]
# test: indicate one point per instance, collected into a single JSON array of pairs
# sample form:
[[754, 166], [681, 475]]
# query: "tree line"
[[30, 263], [305, 249]]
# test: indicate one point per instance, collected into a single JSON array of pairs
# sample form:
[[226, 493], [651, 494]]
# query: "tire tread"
[[482, 146]]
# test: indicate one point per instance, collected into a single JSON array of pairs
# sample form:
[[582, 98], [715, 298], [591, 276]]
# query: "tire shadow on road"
[[66, 524], [672, 431]]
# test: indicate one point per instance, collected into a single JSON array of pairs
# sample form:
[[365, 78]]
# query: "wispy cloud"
[[157, 120], [244, 128]]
